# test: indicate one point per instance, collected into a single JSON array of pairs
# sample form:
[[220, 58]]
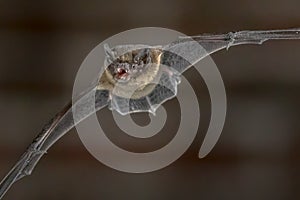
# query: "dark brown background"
[[42, 44]]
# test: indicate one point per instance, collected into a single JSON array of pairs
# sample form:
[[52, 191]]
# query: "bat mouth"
[[122, 74], [122, 71]]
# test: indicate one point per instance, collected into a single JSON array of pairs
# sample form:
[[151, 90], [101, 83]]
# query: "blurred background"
[[43, 43]]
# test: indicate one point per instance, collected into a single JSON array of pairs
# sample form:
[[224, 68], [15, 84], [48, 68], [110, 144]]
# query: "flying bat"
[[136, 78]]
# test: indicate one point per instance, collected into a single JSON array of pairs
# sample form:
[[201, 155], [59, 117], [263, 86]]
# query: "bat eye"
[[134, 66]]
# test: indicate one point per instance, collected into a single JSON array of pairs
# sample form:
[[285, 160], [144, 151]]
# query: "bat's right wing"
[[72, 114]]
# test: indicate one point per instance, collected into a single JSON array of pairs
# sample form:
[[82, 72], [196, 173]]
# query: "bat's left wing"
[[186, 51]]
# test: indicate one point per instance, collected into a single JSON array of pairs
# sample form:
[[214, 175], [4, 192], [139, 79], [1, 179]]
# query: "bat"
[[136, 78]]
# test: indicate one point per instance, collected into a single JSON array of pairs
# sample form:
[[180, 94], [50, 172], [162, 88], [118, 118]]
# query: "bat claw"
[[231, 38]]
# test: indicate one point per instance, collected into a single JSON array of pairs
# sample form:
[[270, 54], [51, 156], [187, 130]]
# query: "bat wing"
[[186, 51], [53, 131]]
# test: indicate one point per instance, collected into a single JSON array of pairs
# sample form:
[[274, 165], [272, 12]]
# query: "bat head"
[[131, 68], [126, 64], [129, 65]]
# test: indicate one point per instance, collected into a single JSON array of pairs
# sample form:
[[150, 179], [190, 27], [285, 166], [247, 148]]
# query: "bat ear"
[[109, 53], [158, 53], [144, 55]]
